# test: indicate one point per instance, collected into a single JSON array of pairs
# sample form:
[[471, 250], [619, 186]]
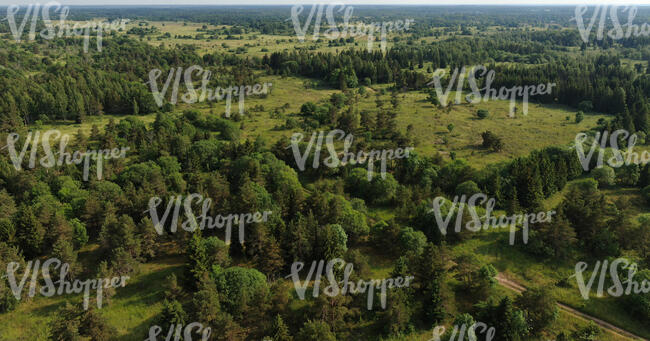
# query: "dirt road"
[[519, 288]]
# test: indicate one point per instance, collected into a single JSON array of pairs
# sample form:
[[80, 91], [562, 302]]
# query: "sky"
[[350, 2]]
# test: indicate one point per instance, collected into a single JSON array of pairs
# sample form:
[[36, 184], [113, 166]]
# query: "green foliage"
[[52, 213], [540, 308], [509, 323], [80, 236], [206, 307], [30, 232], [467, 188], [628, 175], [376, 191], [429, 267], [240, 288], [491, 141], [585, 209], [646, 193], [411, 241], [316, 331], [586, 106], [605, 176], [639, 303], [7, 231], [74, 323], [336, 241], [172, 314], [432, 97], [397, 318], [589, 333], [308, 108], [280, 330], [8, 301], [216, 251], [554, 239], [66, 326]]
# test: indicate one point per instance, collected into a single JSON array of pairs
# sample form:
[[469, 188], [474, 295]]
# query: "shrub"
[[467, 188], [491, 141], [646, 193], [604, 175]]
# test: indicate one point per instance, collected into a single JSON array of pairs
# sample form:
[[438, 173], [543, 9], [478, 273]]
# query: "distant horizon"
[[432, 3]]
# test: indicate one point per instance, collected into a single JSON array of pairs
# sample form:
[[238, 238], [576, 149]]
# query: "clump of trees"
[[491, 141]]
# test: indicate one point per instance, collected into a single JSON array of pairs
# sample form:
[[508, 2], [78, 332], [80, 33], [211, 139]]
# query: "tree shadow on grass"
[[50, 309], [139, 332]]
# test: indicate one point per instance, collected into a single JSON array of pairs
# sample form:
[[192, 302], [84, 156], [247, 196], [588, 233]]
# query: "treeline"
[[600, 80], [272, 19], [600, 83], [70, 86]]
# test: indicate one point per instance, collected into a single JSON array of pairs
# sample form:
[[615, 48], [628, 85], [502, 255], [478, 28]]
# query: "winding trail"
[[612, 328]]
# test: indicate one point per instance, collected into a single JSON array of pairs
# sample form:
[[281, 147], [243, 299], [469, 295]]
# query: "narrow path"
[[519, 289]]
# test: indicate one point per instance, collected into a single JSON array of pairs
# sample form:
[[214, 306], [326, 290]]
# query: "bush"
[[242, 288], [316, 331], [482, 113], [646, 193], [411, 240], [580, 116], [628, 175], [467, 188], [605, 176], [491, 141]]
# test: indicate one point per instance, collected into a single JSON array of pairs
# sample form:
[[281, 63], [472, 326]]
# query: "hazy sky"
[[351, 2]]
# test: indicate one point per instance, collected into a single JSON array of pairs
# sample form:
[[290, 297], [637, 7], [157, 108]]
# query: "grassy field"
[[544, 125], [132, 310], [250, 44]]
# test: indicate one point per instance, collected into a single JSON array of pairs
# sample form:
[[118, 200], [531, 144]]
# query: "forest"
[[208, 224]]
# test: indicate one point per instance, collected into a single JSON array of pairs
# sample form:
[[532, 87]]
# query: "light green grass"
[[132, 310], [543, 126]]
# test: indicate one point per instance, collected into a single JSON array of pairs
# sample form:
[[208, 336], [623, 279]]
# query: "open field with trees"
[[185, 142]]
